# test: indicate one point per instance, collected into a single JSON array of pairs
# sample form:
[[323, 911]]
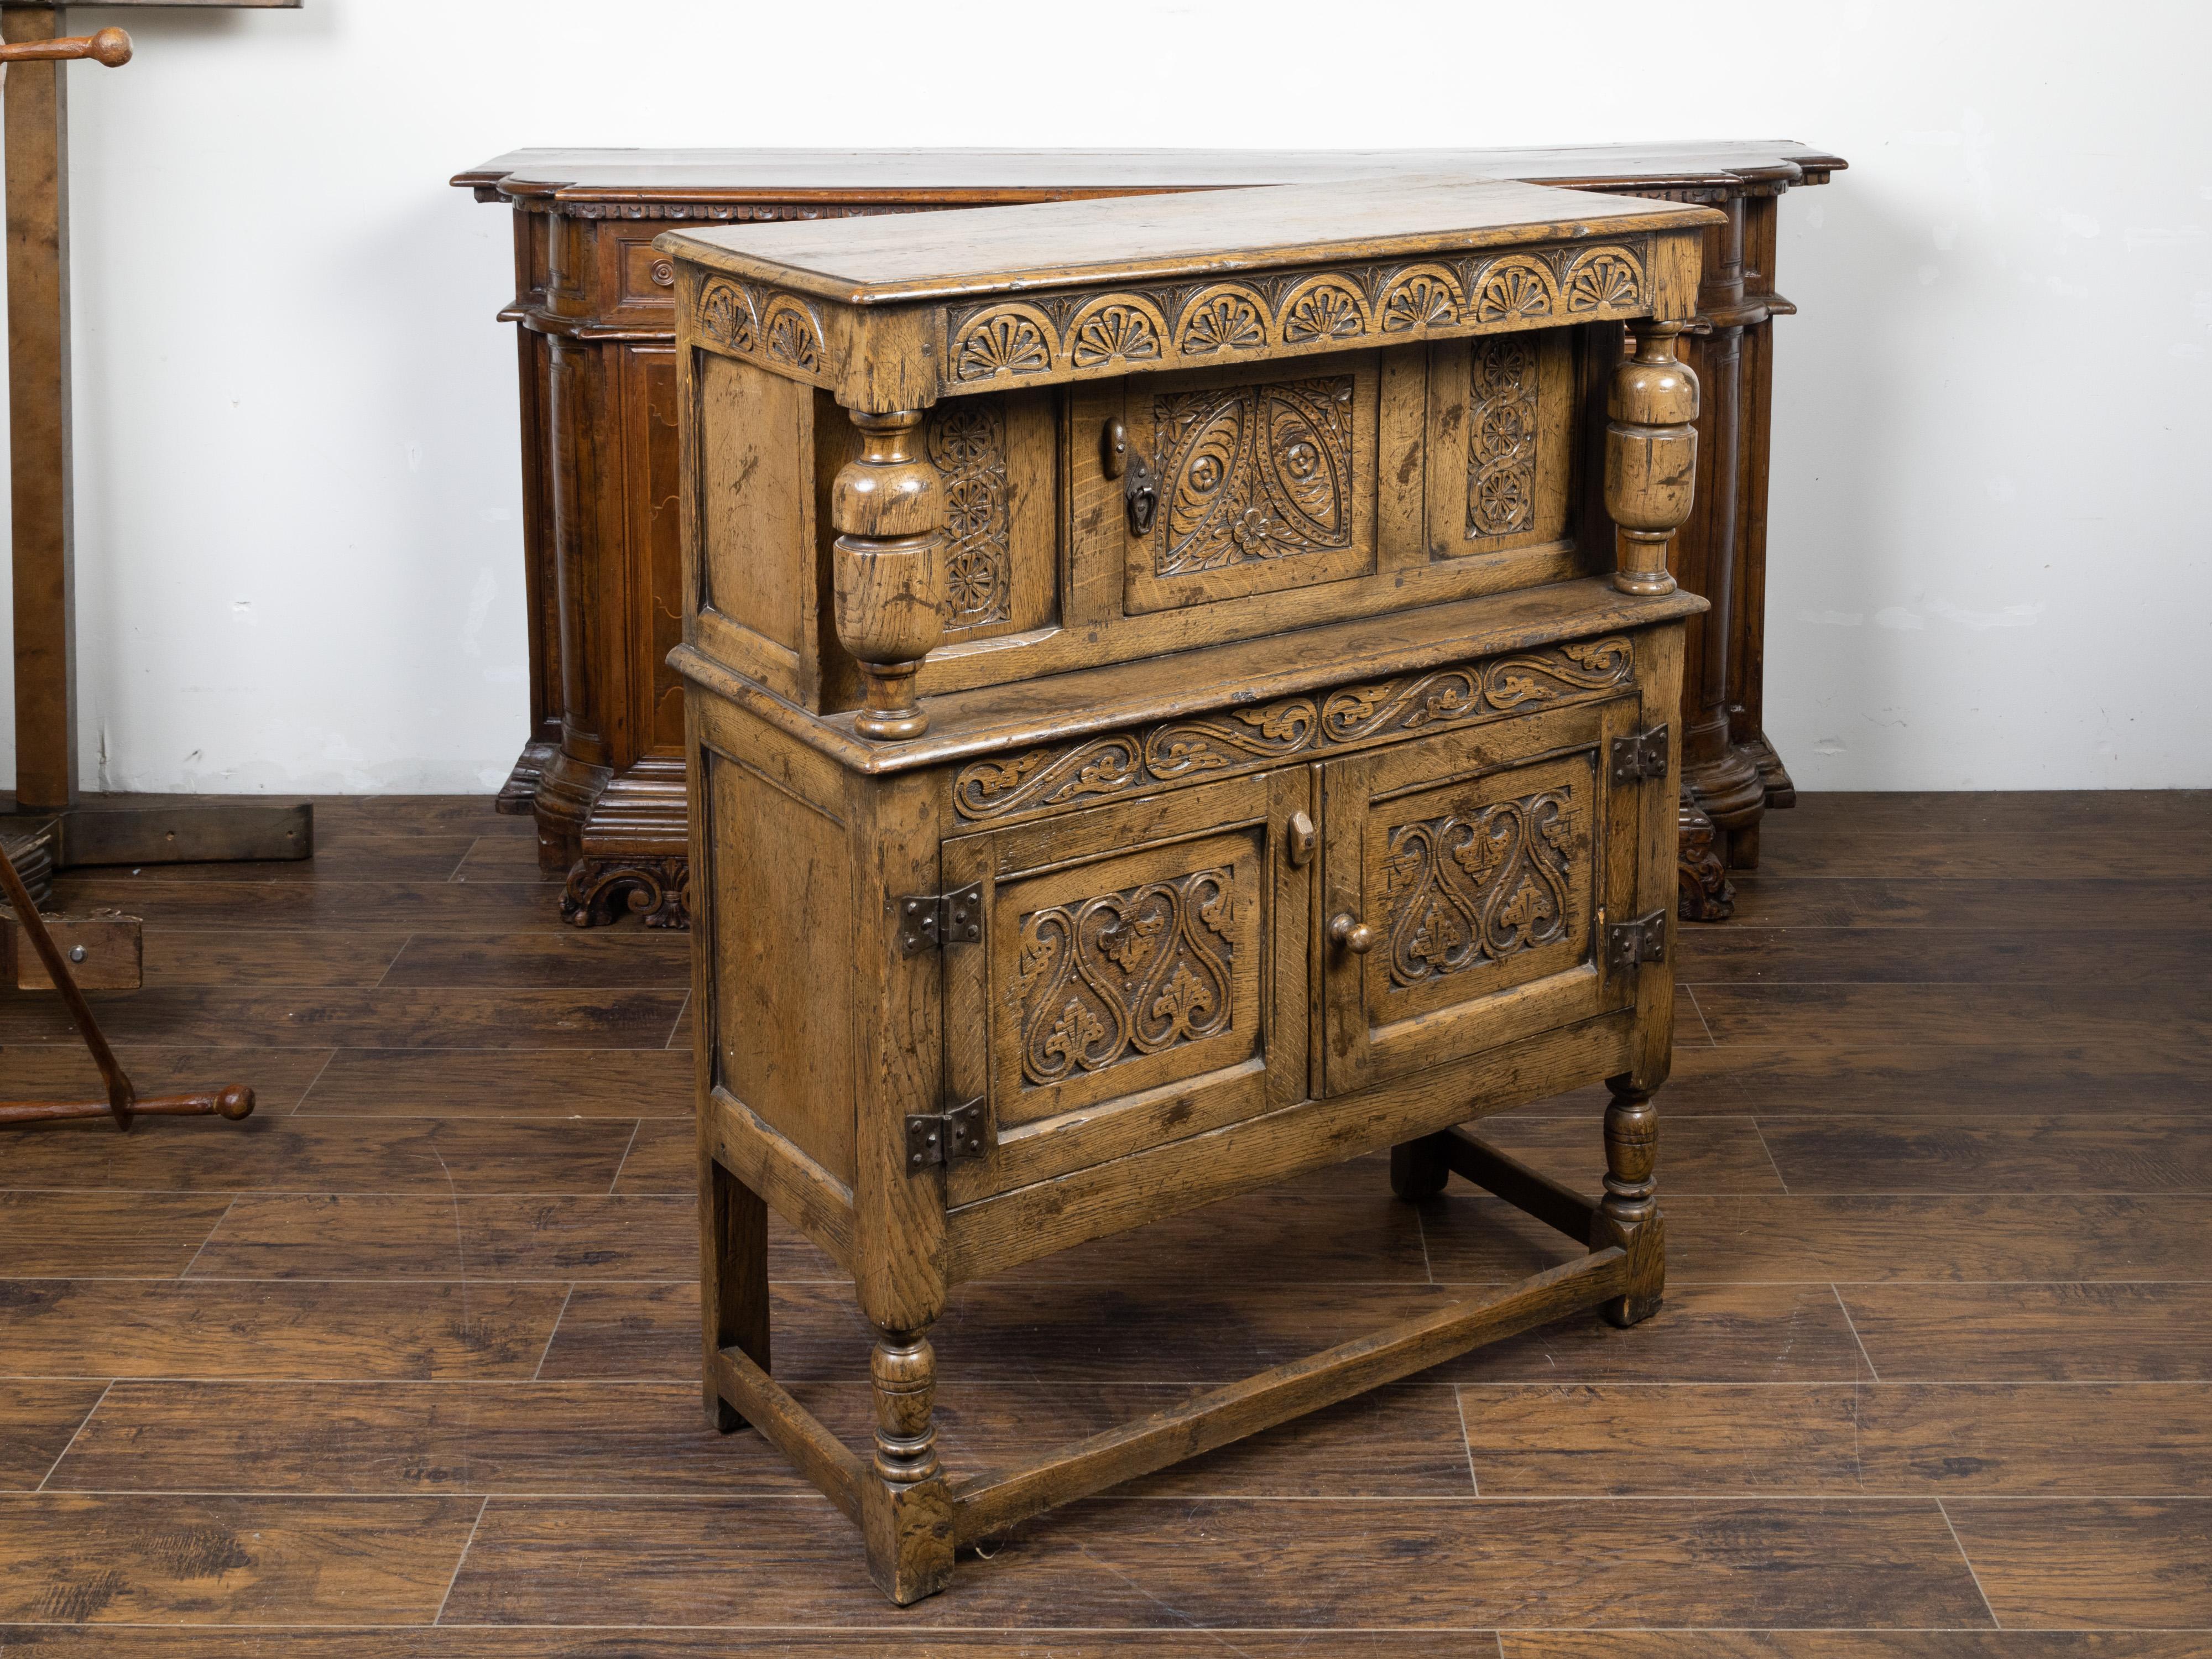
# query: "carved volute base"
[[518, 794], [1773, 776], [657, 890], [566, 791], [1700, 869]]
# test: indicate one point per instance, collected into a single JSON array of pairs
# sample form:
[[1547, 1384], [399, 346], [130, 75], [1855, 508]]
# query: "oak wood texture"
[[2029, 1412], [959, 1011], [594, 303]]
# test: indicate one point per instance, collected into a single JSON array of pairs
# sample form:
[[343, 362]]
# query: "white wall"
[[300, 560]]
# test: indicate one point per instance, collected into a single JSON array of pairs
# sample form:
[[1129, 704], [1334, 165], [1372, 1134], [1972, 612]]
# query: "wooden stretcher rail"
[[988, 1503], [1556, 1207], [819, 1455]]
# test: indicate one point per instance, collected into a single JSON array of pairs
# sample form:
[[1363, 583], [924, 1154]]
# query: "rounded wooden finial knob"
[[111, 46], [236, 1101]]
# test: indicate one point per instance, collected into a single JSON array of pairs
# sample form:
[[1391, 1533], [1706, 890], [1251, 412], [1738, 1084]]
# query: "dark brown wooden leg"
[[1418, 1169], [1629, 1214], [907, 1511], [1702, 885], [733, 1290]]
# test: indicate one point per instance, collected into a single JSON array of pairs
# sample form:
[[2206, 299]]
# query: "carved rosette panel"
[[1252, 472], [1207, 745], [1088, 333], [1501, 438], [967, 442], [1123, 975], [1462, 891]]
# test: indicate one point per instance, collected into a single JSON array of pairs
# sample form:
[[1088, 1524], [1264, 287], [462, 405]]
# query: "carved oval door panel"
[[1123, 991], [1467, 878]]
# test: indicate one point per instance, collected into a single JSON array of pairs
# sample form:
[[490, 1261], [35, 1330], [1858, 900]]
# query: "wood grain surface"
[[407, 1365]]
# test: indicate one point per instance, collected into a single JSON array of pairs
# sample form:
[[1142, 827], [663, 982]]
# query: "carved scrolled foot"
[[1702, 883], [658, 891], [1628, 1215], [906, 1517], [1418, 1169]]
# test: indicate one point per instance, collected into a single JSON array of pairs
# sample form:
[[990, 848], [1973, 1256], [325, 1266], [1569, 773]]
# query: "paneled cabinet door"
[[1141, 977], [1468, 879]]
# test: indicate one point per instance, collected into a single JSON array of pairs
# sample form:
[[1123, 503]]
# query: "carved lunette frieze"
[[775, 327], [1084, 334], [1212, 745]]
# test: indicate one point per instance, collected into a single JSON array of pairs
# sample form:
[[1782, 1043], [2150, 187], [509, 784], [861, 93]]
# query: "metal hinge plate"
[[934, 1139], [927, 921], [1641, 756], [1629, 944]]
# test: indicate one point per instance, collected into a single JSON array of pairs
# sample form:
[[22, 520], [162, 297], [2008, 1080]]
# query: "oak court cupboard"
[[1179, 691], [603, 771]]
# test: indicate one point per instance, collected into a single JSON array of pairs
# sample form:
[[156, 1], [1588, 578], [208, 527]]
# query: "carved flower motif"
[[1114, 331], [1225, 323], [1327, 313], [724, 315], [1514, 291], [792, 338], [1416, 302], [1008, 343], [1602, 279]]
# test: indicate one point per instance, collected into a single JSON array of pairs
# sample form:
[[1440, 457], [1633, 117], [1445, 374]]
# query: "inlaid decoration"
[[1461, 892], [1501, 438], [1121, 975], [1252, 472], [967, 442], [1227, 740]]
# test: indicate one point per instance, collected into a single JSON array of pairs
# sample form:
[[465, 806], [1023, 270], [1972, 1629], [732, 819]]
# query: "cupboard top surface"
[[783, 175], [911, 257]]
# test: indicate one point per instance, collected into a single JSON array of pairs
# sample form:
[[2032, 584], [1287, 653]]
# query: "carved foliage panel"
[[1252, 472], [966, 440], [1502, 435], [1225, 741], [1124, 973]]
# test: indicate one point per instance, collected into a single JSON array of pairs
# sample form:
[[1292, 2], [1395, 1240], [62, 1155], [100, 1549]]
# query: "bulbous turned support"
[[1650, 457], [1628, 1215], [889, 569], [903, 1367]]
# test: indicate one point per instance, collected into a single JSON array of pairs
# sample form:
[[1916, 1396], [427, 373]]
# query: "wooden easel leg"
[[1629, 1213], [37, 128], [906, 1511], [734, 1281]]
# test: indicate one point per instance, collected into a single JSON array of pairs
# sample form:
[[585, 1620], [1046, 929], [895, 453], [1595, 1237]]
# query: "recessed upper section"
[[906, 257]]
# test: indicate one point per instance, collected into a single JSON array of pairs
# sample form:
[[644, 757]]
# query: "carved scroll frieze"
[[966, 442], [1501, 440], [1231, 739], [1252, 472], [1124, 974], [1460, 892], [1080, 334]]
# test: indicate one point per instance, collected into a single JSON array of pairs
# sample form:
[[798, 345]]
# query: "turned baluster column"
[[1629, 1213], [906, 1518], [890, 569], [1650, 457]]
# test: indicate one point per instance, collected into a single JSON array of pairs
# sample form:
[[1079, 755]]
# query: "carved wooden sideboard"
[[1180, 693], [602, 769]]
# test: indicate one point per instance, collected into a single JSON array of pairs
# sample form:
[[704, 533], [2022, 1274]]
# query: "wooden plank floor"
[[405, 1366]]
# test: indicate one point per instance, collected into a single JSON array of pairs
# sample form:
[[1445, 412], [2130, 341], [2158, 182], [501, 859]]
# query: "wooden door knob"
[[1353, 934]]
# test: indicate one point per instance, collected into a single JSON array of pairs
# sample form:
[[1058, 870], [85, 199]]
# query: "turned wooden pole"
[[890, 569], [1650, 455]]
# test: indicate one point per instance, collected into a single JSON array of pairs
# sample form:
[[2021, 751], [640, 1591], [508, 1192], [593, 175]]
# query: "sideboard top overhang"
[[1152, 239]]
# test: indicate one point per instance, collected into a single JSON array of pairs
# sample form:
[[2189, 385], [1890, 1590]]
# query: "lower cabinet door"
[[1468, 879], [1142, 975]]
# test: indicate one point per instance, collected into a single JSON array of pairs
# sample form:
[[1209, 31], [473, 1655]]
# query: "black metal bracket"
[[934, 1139], [929, 921], [1628, 945], [1641, 756]]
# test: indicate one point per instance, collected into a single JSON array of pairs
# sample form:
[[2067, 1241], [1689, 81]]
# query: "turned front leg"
[[907, 1512], [889, 569], [1650, 457], [1629, 1213]]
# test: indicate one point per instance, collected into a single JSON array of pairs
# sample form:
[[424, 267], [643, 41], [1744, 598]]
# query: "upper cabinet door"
[[1141, 975], [1468, 880]]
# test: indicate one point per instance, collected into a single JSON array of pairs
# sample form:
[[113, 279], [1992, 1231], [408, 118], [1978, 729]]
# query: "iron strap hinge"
[[1628, 945], [929, 921], [1641, 756], [934, 1139]]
